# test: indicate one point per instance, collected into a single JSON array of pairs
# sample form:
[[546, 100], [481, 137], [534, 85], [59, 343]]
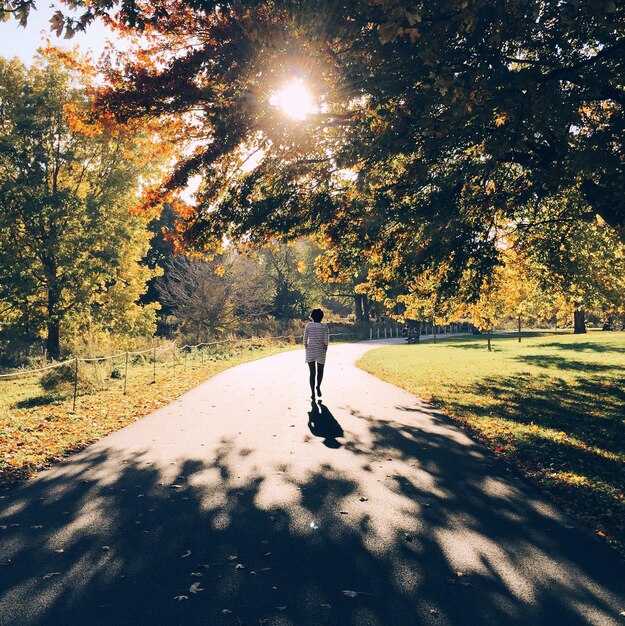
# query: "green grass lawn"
[[553, 405]]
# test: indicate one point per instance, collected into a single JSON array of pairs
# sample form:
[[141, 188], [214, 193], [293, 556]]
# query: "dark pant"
[[319, 373]]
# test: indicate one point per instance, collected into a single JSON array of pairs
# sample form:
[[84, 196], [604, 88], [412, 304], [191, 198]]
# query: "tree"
[[454, 118], [70, 251], [212, 296]]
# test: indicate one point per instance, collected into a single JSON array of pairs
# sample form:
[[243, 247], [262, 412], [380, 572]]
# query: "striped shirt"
[[316, 339]]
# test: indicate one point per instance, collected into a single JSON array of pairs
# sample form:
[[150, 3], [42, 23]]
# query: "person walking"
[[316, 339]]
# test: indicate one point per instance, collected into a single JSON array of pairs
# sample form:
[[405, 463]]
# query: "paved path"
[[228, 507]]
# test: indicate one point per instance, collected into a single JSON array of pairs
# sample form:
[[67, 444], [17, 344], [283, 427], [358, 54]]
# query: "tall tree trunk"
[[519, 320], [579, 321], [365, 308], [53, 338], [358, 306], [488, 337]]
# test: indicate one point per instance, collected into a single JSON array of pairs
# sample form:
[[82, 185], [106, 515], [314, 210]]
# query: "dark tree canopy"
[[442, 126]]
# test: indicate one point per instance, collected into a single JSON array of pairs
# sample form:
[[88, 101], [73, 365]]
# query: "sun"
[[294, 100]]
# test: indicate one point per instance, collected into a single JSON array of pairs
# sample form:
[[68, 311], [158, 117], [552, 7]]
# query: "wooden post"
[[126, 373], [154, 364], [370, 333], [75, 384]]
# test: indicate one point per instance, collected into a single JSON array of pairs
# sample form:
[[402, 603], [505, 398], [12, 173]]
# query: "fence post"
[[126, 373], [378, 332], [75, 384], [154, 364], [370, 333]]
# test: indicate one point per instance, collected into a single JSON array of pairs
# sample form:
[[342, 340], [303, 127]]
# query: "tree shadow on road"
[[116, 539]]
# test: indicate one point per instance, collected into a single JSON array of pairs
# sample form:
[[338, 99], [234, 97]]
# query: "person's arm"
[[326, 336], [305, 341]]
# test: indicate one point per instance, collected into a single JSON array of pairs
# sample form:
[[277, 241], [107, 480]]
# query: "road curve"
[[239, 503]]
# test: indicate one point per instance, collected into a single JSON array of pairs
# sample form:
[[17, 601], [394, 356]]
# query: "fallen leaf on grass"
[[59, 551], [325, 606], [233, 557], [106, 548], [186, 554], [197, 574], [434, 612], [226, 612], [51, 575], [352, 594], [181, 598], [281, 608], [239, 566], [195, 587]]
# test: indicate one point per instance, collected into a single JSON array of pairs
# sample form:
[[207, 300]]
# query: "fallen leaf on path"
[[460, 574], [186, 554], [343, 512], [195, 587], [363, 499]]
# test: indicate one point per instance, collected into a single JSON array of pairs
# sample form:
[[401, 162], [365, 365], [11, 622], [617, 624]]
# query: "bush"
[[55, 379]]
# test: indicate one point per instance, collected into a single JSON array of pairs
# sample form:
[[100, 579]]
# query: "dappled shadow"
[[570, 430], [589, 346], [40, 400], [562, 363], [416, 533]]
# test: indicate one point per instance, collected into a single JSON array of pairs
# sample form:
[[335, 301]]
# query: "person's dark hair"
[[316, 315]]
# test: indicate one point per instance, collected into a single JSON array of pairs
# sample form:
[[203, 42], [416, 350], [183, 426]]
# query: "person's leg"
[[319, 377], [311, 366]]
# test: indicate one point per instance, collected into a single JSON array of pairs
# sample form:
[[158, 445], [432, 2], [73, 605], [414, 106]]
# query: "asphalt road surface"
[[241, 503]]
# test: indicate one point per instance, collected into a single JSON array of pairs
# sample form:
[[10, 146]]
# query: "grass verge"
[[38, 428], [551, 405]]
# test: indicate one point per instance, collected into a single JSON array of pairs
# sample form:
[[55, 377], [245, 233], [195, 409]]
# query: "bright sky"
[[23, 42]]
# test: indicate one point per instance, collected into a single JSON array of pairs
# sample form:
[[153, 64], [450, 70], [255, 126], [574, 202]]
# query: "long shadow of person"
[[322, 423]]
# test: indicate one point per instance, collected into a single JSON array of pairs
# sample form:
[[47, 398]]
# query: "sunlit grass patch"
[[552, 405]]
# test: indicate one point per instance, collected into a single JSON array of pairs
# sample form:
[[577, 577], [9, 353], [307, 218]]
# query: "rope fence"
[[107, 371], [117, 365]]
